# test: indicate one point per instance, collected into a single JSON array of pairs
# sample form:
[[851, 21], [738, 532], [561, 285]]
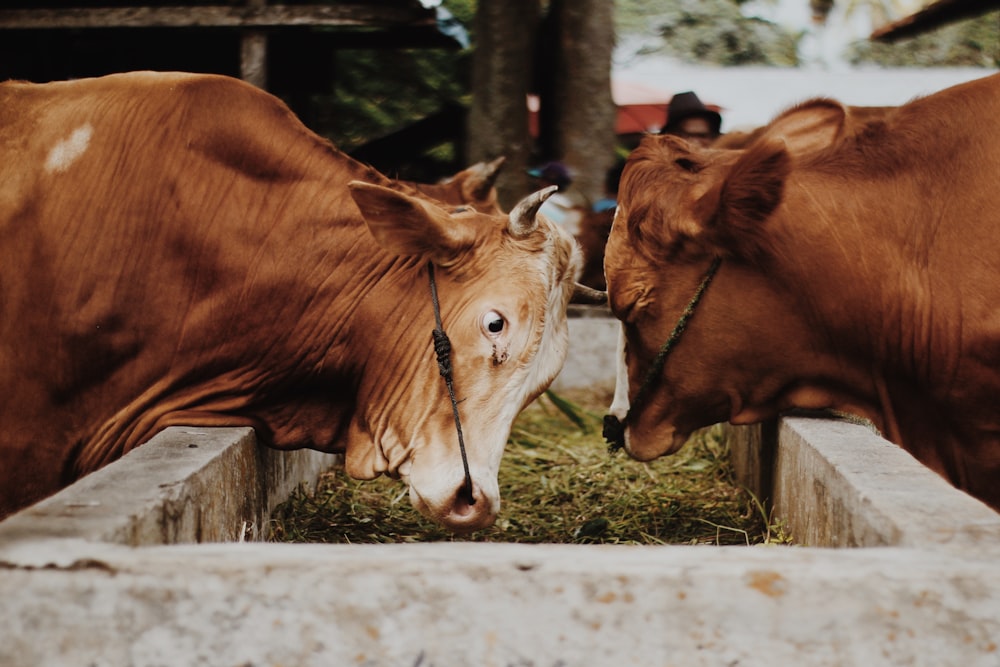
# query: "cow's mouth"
[[457, 513]]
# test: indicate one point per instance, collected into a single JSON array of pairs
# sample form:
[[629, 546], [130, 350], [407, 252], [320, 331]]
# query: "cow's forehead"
[[549, 250]]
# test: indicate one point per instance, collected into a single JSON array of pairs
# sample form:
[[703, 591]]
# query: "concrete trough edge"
[[840, 484], [74, 598], [499, 604], [922, 589], [837, 483], [186, 484]]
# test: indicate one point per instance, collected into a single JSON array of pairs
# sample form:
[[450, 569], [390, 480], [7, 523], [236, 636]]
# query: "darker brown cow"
[[860, 271], [856, 119], [180, 249]]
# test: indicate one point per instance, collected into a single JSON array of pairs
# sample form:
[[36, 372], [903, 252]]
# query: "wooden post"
[[253, 52]]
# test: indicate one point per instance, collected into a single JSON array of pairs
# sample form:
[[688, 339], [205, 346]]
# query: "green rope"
[[614, 428]]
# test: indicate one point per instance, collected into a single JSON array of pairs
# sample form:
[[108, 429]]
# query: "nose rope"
[[442, 348], [614, 428]]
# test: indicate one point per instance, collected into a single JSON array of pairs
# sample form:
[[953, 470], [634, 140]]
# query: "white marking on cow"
[[619, 404], [67, 151]]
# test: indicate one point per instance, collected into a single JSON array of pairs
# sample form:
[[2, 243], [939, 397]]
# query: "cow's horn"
[[588, 296], [522, 216]]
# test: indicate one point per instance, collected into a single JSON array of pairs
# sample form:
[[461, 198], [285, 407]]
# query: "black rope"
[[442, 348], [614, 428]]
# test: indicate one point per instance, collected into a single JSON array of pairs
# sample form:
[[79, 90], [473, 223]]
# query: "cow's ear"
[[405, 225], [808, 127], [480, 179], [659, 186], [734, 210]]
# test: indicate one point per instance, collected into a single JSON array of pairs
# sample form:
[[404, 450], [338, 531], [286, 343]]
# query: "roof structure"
[[56, 39], [288, 47]]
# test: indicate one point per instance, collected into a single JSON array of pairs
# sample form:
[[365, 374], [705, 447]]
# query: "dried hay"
[[559, 485]]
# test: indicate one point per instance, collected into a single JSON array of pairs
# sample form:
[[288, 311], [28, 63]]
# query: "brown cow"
[[856, 119], [596, 226], [860, 271], [180, 249]]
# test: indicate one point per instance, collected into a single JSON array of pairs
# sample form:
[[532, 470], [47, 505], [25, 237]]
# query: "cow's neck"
[[874, 277], [857, 257]]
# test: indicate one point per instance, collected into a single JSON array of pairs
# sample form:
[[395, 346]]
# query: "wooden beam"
[[933, 16], [268, 16]]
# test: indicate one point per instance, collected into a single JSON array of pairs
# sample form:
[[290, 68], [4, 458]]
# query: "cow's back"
[[131, 206]]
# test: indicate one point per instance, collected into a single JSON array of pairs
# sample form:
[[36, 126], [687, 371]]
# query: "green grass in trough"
[[558, 484]]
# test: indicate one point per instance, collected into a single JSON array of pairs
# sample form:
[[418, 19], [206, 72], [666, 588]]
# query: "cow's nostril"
[[464, 501], [468, 493]]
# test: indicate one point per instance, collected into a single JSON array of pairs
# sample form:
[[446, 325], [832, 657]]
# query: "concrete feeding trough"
[[116, 570]]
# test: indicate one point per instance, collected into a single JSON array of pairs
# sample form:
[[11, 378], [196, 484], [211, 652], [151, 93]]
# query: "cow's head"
[[679, 208], [504, 282]]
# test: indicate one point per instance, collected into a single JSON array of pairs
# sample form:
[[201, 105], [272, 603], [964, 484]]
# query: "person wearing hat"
[[689, 119], [559, 207]]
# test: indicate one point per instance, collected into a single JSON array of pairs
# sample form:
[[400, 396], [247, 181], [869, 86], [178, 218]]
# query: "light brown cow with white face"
[[179, 249], [860, 271]]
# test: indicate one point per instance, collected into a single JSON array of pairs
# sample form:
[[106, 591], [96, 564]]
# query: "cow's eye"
[[493, 323]]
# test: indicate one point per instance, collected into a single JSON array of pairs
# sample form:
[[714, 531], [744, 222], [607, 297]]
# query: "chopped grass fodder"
[[558, 484]]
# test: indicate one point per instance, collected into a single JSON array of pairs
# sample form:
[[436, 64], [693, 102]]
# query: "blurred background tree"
[[376, 92], [559, 50], [973, 42], [706, 31], [504, 33]]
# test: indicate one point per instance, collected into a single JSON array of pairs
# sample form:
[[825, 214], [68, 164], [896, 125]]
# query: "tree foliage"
[[971, 43], [707, 31], [379, 91]]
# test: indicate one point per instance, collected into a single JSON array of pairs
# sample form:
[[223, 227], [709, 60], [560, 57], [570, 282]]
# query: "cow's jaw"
[[436, 482], [668, 439]]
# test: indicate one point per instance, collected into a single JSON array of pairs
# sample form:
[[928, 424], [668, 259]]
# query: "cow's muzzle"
[[614, 428]]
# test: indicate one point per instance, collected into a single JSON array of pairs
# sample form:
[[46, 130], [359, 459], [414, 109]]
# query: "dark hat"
[[553, 172], [686, 105]]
